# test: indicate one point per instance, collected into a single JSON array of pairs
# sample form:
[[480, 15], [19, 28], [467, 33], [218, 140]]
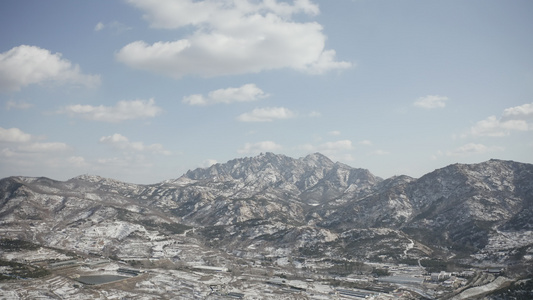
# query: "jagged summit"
[[265, 162], [314, 177], [240, 168]]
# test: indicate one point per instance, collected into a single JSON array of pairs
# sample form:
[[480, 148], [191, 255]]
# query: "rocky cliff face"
[[308, 207]]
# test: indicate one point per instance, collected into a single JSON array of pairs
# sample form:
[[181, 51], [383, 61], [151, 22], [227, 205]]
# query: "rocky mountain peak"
[[303, 172], [317, 159], [311, 179], [241, 168]]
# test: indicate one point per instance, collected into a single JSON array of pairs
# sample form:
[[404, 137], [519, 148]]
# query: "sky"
[[144, 90]]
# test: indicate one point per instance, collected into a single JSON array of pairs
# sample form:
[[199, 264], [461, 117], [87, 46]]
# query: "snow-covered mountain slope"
[[459, 207], [308, 206], [312, 179]]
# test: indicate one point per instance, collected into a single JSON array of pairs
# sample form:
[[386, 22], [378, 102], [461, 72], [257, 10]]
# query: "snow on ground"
[[480, 290], [502, 240], [409, 246], [112, 230], [34, 256]]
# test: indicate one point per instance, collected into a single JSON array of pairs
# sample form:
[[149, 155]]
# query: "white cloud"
[[472, 149], [195, 99], [246, 93], [14, 135], [172, 14], [117, 140], [99, 26], [495, 127], [12, 104], [516, 118], [25, 65], [268, 114], [121, 142], [334, 132], [231, 37], [365, 143], [325, 62], [524, 111], [265, 146], [17, 141], [23, 153], [431, 101], [124, 110], [115, 26]]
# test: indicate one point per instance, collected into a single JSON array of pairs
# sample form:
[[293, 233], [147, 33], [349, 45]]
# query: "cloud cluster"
[[121, 142], [14, 135], [524, 111], [170, 14], [231, 37], [431, 102], [25, 65], [246, 93], [16, 141], [518, 118], [267, 114], [20, 150], [513, 119], [122, 111]]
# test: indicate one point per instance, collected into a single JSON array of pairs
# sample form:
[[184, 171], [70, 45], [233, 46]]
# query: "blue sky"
[[143, 90]]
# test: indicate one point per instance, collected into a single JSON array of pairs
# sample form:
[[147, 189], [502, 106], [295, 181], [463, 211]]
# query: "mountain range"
[[274, 206]]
